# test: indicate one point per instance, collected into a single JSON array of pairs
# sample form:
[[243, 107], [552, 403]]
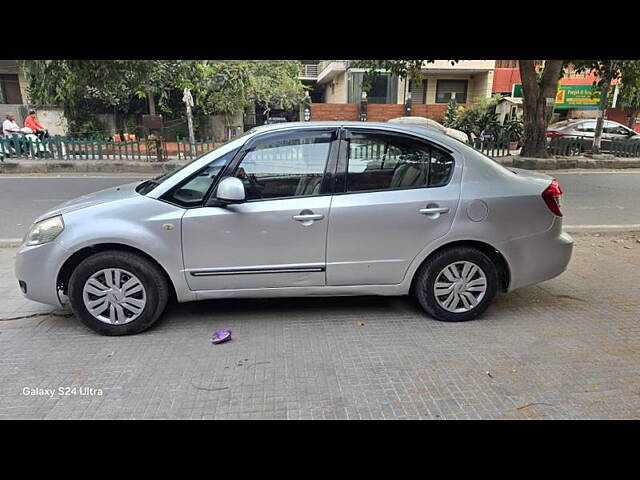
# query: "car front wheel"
[[117, 292], [456, 284]]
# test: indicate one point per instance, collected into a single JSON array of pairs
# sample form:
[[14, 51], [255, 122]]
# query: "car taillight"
[[552, 134], [552, 196]]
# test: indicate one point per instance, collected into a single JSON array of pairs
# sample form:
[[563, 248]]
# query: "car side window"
[[610, 127], [587, 127], [441, 168], [287, 166], [386, 162]]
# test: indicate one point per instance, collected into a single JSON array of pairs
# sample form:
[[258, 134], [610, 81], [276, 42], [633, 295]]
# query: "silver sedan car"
[[302, 209], [585, 131]]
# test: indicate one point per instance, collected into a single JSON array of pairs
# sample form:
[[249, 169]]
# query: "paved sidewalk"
[[566, 349]]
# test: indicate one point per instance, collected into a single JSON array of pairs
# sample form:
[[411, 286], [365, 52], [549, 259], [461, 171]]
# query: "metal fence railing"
[[566, 146], [188, 150], [68, 148], [625, 148], [492, 147], [571, 146]]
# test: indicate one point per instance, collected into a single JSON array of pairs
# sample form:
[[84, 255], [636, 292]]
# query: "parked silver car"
[[302, 209], [585, 130]]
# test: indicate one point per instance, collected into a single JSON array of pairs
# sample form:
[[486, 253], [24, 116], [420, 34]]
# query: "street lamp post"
[[407, 105], [363, 107], [307, 107]]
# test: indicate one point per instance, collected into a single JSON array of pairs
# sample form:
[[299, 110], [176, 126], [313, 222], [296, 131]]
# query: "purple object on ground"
[[220, 336]]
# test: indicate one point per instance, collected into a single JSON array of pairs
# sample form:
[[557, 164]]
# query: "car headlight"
[[45, 231]]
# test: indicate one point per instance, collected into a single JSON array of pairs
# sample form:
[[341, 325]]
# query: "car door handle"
[[432, 210], [307, 217]]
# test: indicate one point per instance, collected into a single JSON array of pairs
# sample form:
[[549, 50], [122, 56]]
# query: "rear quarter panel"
[[496, 207]]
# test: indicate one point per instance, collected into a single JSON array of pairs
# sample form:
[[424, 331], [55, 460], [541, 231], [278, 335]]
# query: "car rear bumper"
[[539, 257]]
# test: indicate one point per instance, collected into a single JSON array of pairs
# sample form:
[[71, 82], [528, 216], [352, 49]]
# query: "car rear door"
[[277, 238], [586, 131], [394, 195]]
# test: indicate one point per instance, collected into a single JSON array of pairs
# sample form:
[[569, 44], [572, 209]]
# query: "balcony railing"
[[325, 63], [310, 70]]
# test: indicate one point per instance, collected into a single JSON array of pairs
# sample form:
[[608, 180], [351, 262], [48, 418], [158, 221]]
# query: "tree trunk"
[[152, 103], [192, 138], [537, 109], [602, 107], [632, 115]]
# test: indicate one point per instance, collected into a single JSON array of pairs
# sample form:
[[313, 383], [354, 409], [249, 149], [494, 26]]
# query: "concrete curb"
[[10, 242], [567, 163]]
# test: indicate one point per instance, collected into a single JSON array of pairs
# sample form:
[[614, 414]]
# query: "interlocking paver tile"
[[567, 348]]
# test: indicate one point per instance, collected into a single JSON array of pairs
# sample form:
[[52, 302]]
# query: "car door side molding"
[[257, 270]]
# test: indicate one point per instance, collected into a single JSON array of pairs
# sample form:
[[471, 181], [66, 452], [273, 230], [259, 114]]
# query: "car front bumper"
[[36, 269]]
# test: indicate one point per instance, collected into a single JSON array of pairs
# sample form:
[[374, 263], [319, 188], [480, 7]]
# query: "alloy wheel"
[[114, 296], [460, 287]]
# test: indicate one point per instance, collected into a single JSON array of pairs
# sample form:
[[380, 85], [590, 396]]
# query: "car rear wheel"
[[456, 284], [118, 293]]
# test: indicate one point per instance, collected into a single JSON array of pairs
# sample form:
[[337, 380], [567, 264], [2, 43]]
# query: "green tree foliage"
[[626, 71], [451, 115], [629, 99], [514, 129], [410, 69], [474, 118], [232, 86], [629, 89], [218, 86]]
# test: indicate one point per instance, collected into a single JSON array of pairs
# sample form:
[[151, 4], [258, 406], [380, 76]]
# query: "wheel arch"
[[498, 259], [64, 274]]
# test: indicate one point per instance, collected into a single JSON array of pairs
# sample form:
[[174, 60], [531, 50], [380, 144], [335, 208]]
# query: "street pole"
[[614, 103], [602, 107], [188, 100]]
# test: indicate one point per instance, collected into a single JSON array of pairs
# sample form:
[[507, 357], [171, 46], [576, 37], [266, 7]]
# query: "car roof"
[[575, 121]]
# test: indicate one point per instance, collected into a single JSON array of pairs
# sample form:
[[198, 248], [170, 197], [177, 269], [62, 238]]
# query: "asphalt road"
[[591, 198], [23, 198]]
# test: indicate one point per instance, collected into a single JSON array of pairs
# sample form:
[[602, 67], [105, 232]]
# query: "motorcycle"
[[37, 148]]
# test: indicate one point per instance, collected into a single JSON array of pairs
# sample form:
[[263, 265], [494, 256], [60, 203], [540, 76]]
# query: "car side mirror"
[[230, 190]]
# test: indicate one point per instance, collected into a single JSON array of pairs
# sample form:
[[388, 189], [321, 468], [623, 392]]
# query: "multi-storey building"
[[339, 83]]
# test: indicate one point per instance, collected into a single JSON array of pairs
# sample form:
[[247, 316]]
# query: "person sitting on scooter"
[[32, 122]]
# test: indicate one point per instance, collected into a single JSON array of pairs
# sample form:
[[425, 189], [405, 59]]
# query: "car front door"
[[277, 237], [394, 196]]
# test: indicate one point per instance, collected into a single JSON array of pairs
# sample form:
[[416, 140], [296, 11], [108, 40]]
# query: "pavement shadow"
[[293, 306]]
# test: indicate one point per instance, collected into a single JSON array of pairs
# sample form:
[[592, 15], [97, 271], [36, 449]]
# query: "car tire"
[[473, 269], [131, 309]]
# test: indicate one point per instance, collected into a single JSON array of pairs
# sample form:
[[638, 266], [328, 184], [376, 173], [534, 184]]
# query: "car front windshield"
[[148, 185]]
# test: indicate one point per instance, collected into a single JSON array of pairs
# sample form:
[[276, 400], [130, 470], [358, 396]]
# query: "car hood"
[[85, 201]]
